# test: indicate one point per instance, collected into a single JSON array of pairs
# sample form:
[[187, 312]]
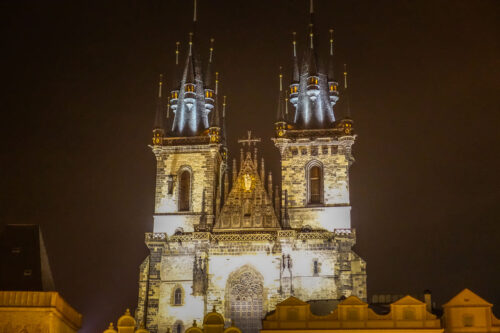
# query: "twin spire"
[[193, 99]]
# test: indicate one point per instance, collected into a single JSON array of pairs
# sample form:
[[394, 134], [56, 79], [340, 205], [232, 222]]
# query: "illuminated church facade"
[[224, 237]]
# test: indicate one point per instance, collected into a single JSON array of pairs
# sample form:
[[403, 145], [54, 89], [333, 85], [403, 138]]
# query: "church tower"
[[190, 155], [315, 146]]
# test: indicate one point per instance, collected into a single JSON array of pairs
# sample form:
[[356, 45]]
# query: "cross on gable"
[[249, 140]]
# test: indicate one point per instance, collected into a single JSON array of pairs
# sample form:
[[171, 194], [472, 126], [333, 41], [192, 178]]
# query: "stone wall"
[[203, 162], [340, 271], [334, 158]]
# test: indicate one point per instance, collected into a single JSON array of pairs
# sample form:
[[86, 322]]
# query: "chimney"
[[428, 300]]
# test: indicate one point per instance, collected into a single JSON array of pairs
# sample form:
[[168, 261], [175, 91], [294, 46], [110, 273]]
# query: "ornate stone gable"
[[248, 206]]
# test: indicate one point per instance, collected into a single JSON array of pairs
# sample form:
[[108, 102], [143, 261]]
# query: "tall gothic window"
[[184, 190], [245, 306], [178, 296], [315, 182]]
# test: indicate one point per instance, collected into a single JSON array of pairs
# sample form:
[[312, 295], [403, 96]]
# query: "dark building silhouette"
[[24, 264]]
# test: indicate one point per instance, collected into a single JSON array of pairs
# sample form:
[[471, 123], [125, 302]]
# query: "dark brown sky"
[[79, 83]]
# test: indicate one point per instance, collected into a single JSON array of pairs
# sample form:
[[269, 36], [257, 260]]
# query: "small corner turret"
[[215, 127]]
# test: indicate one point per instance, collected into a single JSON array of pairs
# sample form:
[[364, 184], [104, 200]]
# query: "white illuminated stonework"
[[224, 235], [246, 247]]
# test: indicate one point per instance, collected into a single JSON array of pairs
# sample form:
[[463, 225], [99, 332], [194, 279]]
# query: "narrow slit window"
[[315, 267]]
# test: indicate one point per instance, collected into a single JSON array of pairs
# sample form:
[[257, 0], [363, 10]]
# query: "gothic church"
[[224, 236]]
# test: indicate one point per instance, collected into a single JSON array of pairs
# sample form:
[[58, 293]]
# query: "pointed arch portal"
[[245, 294]]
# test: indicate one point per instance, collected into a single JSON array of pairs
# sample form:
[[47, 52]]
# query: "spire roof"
[[280, 116], [311, 95], [209, 81], [295, 75], [330, 59], [176, 70], [215, 120], [158, 122], [190, 105], [347, 98]]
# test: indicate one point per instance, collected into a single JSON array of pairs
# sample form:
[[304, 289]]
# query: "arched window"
[[178, 296], [177, 327], [184, 190], [315, 184]]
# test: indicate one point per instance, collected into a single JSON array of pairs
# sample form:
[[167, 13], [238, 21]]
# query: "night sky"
[[79, 83]]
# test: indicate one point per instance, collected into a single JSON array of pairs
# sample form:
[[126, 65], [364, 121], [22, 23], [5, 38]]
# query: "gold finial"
[[177, 52], [345, 76], [194, 323], [127, 312], [214, 309], [294, 42], [190, 42], [160, 84], [211, 49], [331, 41], [216, 82], [281, 79], [111, 327], [311, 35]]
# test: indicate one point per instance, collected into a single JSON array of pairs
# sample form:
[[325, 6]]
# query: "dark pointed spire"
[[158, 129], [295, 75], [158, 123], [176, 71], [177, 44], [215, 121], [346, 94], [193, 103], [208, 73], [224, 133], [330, 59], [310, 65], [310, 96], [188, 76], [280, 115]]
